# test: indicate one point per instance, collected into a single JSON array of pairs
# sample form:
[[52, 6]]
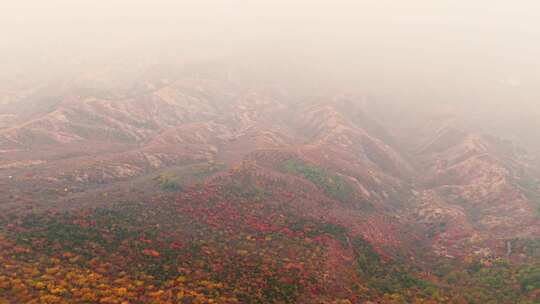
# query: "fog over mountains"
[[269, 152]]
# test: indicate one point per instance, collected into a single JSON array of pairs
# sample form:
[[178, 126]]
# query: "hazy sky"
[[503, 31], [413, 47]]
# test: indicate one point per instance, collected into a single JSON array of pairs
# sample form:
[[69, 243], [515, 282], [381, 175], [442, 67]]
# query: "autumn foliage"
[[241, 239]]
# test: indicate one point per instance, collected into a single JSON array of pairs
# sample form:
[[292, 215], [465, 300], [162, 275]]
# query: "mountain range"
[[199, 187]]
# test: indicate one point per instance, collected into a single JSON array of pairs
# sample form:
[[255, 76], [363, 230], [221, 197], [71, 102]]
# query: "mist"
[[254, 151], [461, 52]]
